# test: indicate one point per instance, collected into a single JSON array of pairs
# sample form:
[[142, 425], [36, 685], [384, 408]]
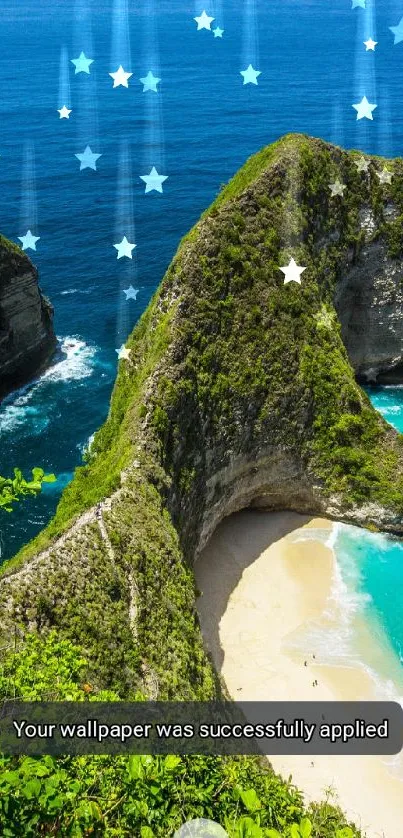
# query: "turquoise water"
[[371, 581], [389, 402]]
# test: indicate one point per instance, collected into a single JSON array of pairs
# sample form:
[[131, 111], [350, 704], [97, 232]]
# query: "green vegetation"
[[145, 796], [13, 488]]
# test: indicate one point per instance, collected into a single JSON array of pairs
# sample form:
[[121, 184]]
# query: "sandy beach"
[[257, 589]]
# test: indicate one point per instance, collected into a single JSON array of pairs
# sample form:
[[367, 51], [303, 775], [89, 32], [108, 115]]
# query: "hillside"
[[239, 390]]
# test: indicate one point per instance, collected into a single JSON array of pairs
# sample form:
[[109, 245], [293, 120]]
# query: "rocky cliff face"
[[27, 339], [239, 390]]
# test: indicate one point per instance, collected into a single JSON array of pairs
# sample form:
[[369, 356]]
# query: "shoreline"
[[261, 589]]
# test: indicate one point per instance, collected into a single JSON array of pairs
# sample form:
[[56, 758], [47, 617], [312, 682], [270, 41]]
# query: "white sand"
[[258, 588]]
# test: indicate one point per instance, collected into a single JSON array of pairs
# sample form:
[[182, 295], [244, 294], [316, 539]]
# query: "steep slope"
[[238, 391], [27, 339]]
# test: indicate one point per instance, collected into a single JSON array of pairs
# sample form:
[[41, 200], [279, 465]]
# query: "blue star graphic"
[[82, 63], [150, 82], [218, 32], [153, 180], [364, 109], [358, 4], [131, 293], [397, 31], [29, 240], [203, 21], [124, 248], [88, 159], [250, 75]]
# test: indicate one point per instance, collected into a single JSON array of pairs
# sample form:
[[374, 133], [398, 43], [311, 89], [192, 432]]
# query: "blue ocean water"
[[199, 129]]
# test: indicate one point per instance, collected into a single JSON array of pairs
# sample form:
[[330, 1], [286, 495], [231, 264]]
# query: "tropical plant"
[[13, 488]]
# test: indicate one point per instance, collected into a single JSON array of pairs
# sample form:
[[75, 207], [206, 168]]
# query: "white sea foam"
[[77, 291], [77, 363], [25, 409], [388, 410]]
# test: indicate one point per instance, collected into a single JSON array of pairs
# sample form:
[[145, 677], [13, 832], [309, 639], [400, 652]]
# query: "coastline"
[[262, 587]]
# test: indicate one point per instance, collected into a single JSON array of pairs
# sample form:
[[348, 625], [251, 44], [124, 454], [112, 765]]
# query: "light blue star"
[[397, 31], [124, 248], [88, 159], [150, 82], [250, 75], [364, 109], [153, 180], [203, 21], [131, 293], [29, 240], [358, 4], [218, 32], [82, 64]]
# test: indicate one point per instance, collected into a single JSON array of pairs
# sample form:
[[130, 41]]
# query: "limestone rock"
[[27, 339]]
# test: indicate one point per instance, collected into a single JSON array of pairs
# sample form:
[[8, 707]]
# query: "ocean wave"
[[28, 408], [321, 534], [77, 291]]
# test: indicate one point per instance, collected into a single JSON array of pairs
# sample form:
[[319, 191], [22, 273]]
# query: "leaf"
[[250, 800], [171, 762], [89, 810], [31, 788], [38, 474], [294, 831], [272, 833], [17, 476], [146, 832], [346, 832], [305, 828], [247, 828], [49, 478], [135, 768]]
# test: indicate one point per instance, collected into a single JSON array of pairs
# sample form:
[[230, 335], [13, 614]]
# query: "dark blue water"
[[199, 129]]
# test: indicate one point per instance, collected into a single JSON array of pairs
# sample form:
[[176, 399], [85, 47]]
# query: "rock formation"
[[27, 339], [238, 391]]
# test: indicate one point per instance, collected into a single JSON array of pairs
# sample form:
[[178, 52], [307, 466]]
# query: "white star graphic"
[[364, 109], [203, 21], [153, 181], [120, 77], [292, 272], [64, 112], [123, 353], [250, 75], [124, 248], [370, 44], [131, 293], [29, 241], [88, 160], [218, 33], [337, 188], [362, 164], [385, 176]]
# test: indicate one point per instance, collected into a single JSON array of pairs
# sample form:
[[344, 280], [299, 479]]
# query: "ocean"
[[198, 129]]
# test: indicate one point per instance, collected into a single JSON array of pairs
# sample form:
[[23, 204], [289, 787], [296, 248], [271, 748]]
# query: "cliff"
[[27, 339], [239, 390]]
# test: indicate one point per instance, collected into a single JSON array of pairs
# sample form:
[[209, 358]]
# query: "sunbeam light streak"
[[29, 206], [125, 227]]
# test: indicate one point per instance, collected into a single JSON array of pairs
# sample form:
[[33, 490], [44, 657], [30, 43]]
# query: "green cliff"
[[239, 390]]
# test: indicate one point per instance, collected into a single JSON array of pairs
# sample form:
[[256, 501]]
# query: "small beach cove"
[[270, 618]]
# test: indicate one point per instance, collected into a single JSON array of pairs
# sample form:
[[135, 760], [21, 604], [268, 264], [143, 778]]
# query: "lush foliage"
[[13, 488], [137, 795]]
